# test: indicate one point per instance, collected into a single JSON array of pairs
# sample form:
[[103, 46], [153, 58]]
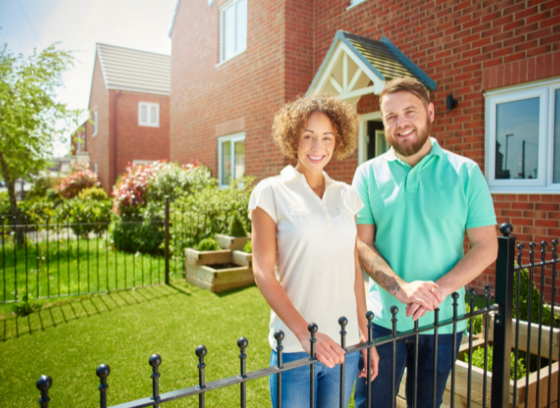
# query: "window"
[[141, 162], [354, 3], [148, 114], [523, 138], [231, 158], [96, 168], [95, 127], [233, 29]]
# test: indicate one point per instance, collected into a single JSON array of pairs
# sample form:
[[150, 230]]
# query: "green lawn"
[[60, 268], [122, 329]]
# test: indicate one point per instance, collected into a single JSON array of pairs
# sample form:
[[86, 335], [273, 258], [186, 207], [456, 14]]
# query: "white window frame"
[[545, 90], [354, 3], [142, 162], [95, 124], [223, 8], [95, 168], [236, 137], [148, 105]]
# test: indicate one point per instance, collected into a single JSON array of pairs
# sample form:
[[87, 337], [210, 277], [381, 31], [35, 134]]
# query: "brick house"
[[129, 111], [235, 62]]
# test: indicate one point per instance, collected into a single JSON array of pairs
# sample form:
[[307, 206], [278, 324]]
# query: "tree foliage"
[[31, 118]]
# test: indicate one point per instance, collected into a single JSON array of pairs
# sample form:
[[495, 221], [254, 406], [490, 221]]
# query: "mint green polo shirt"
[[421, 214]]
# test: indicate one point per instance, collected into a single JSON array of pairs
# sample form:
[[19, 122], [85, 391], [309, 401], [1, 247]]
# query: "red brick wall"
[[253, 85], [98, 145], [467, 47], [135, 142]]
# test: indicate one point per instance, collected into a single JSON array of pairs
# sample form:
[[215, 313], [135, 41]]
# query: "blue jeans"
[[296, 382], [381, 387]]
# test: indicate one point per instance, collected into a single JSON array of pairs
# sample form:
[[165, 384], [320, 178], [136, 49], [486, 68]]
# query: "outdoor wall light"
[[451, 103], [210, 3]]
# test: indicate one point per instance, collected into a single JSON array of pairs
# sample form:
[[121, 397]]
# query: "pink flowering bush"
[[131, 191], [79, 180]]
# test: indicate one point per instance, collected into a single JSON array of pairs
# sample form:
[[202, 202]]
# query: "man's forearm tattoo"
[[375, 266]]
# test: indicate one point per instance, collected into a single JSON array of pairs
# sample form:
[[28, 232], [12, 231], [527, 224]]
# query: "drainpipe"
[[117, 94]]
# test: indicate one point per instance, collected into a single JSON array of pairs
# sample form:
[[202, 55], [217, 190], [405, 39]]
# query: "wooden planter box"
[[218, 271], [227, 242], [461, 372]]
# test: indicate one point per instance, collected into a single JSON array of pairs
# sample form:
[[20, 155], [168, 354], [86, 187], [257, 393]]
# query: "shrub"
[[209, 244], [207, 213], [478, 361], [71, 186], [86, 216], [93, 193], [141, 230], [54, 196], [35, 213], [248, 247], [477, 321], [41, 185], [5, 208], [130, 192], [171, 180], [535, 301], [236, 227]]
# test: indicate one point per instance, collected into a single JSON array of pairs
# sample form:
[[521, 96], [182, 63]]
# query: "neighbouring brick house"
[[129, 111], [235, 62]]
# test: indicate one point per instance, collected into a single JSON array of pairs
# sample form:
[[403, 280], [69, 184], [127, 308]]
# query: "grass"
[[122, 329], [64, 267]]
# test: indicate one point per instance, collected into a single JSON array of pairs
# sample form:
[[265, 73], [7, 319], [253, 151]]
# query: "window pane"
[[153, 114], [517, 139], [239, 159], [241, 39], [229, 32], [557, 137], [143, 114], [226, 162]]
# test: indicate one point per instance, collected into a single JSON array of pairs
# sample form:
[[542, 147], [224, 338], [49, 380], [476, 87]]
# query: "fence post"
[[502, 322], [167, 240], [43, 384]]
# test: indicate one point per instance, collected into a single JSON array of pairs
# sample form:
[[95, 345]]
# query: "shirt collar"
[[290, 173], [435, 151]]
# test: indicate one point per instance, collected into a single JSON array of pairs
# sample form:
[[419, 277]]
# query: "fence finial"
[[43, 384], [155, 361], [506, 229], [394, 310], [103, 372]]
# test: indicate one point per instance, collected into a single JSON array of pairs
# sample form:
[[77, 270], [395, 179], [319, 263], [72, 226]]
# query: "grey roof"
[[132, 70], [383, 58]]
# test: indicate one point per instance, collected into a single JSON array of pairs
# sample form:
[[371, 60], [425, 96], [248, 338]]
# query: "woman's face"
[[316, 143]]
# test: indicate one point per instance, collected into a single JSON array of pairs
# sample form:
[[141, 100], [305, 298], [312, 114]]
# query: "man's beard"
[[411, 149]]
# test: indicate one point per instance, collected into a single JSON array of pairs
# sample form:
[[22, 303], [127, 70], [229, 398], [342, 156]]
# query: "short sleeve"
[[355, 201], [480, 205], [361, 187], [263, 197]]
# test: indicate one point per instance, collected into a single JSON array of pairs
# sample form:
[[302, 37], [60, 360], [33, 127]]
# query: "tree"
[[31, 119]]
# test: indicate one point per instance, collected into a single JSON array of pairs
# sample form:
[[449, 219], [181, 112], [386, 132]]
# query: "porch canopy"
[[356, 66]]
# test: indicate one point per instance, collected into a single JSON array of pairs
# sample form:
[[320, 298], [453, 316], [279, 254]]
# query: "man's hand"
[[422, 293]]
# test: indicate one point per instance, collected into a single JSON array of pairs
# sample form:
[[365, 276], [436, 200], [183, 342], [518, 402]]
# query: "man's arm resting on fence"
[[263, 237], [423, 293], [484, 251]]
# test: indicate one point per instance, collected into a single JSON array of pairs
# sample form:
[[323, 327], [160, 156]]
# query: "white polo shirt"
[[315, 252]]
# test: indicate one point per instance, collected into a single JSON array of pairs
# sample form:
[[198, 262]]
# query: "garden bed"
[[228, 242], [218, 271]]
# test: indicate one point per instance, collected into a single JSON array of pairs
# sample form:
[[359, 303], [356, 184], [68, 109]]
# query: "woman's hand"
[[374, 364], [327, 350]]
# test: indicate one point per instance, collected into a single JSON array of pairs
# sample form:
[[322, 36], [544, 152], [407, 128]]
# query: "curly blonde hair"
[[292, 118]]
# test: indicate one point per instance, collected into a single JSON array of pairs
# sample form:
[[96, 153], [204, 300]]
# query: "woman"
[[304, 250]]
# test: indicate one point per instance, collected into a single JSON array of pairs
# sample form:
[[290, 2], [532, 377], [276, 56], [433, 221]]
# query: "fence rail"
[[506, 274]]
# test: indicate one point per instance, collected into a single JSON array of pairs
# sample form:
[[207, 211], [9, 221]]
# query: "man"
[[419, 202]]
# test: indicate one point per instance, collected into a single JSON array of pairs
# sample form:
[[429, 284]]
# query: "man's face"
[[407, 121]]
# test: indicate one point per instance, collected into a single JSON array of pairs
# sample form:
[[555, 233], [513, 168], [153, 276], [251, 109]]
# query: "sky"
[[78, 25]]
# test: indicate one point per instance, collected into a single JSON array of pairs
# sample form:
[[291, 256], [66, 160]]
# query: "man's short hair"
[[406, 84]]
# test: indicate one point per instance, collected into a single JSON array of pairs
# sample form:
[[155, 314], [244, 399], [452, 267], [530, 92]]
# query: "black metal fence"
[[501, 395], [58, 257]]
